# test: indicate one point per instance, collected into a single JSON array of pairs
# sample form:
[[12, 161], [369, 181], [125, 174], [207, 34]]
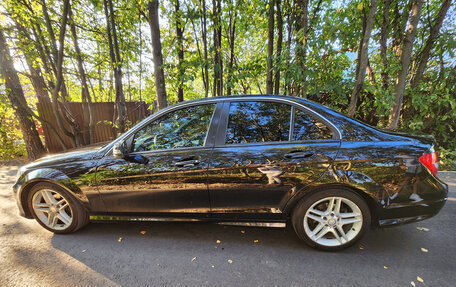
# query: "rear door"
[[265, 151]]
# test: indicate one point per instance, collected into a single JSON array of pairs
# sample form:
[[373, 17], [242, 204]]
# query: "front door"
[[166, 169]]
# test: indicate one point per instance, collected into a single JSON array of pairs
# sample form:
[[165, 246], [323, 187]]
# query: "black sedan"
[[244, 159]]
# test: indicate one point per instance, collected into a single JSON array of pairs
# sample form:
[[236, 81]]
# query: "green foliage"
[[11, 144], [447, 159], [321, 68]]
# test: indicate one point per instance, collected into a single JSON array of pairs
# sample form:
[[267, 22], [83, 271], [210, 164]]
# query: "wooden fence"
[[104, 112]]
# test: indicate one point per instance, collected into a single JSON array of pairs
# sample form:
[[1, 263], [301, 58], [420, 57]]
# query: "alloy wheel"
[[52, 209], [333, 221]]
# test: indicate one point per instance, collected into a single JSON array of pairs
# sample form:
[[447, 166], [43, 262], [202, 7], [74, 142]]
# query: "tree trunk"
[[51, 33], [383, 42], [203, 65], [232, 32], [398, 25], [204, 35], [120, 111], [15, 94], [180, 52], [100, 77], [290, 21], [39, 44], [370, 73], [157, 54], [38, 83], [74, 135], [406, 52], [434, 33], [87, 110], [269, 69], [363, 59], [301, 47], [279, 46], [53, 46], [218, 63]]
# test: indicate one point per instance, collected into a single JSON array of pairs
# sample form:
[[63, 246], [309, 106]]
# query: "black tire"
[[329, 221], [74, 210]]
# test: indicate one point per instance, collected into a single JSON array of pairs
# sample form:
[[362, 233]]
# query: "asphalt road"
[[188, 254]]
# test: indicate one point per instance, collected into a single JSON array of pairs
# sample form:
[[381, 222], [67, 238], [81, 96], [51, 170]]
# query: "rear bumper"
[[417, 212], [435, 193]]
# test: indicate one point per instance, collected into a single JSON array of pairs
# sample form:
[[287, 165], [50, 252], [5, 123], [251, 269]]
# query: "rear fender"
[[350, 180]]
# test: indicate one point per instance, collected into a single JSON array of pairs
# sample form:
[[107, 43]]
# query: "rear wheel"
[[331, 219], [55, 209]]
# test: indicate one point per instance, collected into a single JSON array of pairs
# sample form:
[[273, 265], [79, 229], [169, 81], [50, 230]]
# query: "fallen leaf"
[[424, 250], [120, 239], [213, 266], [242, 231], [385, 267], [158, 264], [255, 241], [194, 259], [143, 232], [419, 279], [218, 241], [361, 247], [84, 250], [230, 261], [413, 284], [422, 229]]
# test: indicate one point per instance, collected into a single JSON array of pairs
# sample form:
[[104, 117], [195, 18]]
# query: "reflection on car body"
[[263, 159]]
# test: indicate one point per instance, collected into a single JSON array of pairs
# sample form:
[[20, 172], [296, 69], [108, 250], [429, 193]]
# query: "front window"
[[183, 128]]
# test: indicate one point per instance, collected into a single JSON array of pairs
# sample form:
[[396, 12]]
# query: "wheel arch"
[[54, 177]]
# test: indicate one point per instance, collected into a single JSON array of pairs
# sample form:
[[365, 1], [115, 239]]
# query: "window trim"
[[221, 131], [107, 150]]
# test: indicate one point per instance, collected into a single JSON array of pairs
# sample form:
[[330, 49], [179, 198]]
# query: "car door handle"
[[298, 154], [187, 163]]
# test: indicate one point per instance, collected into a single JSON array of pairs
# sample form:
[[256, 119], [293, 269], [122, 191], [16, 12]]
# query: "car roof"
[[232, 97]]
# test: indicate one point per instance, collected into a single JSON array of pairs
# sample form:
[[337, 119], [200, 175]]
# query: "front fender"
[[27, 180]]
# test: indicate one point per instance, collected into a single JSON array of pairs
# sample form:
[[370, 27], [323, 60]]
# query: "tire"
[[56, 209], [331, 219]]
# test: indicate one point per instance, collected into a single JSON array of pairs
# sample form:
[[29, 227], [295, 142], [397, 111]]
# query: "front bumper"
[[17, 197]]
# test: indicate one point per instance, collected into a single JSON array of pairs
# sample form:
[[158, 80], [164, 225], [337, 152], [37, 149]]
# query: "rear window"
[[307, 127], [252, 122]]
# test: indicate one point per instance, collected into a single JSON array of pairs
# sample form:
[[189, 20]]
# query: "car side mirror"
[[119, 150]]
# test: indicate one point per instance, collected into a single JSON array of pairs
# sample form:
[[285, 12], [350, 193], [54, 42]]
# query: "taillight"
[[431, 162]]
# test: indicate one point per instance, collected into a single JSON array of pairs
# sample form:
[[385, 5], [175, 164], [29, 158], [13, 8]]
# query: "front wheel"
[[55, 209], [331, 219]]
